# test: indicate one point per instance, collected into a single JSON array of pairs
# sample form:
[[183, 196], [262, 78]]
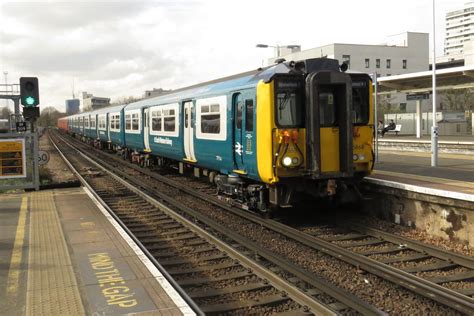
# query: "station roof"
[[421, 82]]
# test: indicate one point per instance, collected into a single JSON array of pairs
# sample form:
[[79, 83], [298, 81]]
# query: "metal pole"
[[35, 160], [16, 101], [5, 73], [418, 119], [434, 127], [376, 121]]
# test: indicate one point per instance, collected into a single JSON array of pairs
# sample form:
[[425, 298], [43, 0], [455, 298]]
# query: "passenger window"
[[248, 115], [186, 117], [210, 121], [117, 121], [128, 122], [169, 121], [327, 108], [156, 121]]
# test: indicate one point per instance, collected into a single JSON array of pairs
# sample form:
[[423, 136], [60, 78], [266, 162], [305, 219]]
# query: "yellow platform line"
[[52, 286], [17, 253]]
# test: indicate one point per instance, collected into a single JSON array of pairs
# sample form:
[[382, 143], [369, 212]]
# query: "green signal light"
[[30, 100]]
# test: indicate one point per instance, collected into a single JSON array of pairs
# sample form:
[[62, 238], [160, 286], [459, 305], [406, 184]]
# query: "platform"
[[60, 254], [453, 177]]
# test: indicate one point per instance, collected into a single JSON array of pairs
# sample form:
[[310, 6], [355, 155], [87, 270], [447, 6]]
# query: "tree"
[[49, 117], [126, 100], [385, 105], [5, 113], [457, 100]]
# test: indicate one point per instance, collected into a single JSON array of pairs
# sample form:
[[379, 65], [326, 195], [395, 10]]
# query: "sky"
[[119, 49]]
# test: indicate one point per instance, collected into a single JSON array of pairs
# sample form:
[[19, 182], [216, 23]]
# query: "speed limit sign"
[[43, 157]]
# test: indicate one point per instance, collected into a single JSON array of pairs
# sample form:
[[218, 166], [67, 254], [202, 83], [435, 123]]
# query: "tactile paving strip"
[[52, 286]]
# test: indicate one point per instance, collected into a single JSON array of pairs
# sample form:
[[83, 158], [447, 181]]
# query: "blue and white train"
[[263, 137]]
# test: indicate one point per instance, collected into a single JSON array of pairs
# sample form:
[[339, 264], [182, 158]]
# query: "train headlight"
[[355, 157], [295, 160], [361, 157], [287, 161]]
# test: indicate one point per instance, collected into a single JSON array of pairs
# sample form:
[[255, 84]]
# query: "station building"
[[72, 106], [91, 102], [155, 93], [459, 40], [402, 53]]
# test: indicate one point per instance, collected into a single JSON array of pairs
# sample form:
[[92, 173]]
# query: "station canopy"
[[421, 82]]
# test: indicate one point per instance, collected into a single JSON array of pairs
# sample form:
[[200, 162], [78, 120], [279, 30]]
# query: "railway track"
[[439, 266], [217, 277], [433, 291]]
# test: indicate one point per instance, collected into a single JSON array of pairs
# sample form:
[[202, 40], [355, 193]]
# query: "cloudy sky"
[[122, 48]]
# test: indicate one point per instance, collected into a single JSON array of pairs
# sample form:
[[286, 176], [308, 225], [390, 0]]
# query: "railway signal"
[[29, 93]]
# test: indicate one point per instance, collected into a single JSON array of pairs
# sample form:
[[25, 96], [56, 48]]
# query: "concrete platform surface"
[[454, 173], [60, 255], [427, 138]]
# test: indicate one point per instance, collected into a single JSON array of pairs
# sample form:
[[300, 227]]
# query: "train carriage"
[[80, 127], [133, 128], [163, 129], [102, 124], [265, 137], [74, 126], [63, 124], [115, 127], [90, 129]]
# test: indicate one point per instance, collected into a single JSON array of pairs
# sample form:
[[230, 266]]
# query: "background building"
[[459, 33], [403, 53], [72, 106], [90, 102], [155, 93]]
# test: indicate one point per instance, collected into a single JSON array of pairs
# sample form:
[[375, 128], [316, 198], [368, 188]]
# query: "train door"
[[96, 116], [188, 131], [243, 103], [107, 125], [146, 129], [329, 123]]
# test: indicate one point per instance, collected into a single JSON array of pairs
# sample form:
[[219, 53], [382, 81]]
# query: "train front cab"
[[314, 141]]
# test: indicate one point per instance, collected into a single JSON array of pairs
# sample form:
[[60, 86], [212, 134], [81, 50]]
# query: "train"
[[267, 138]]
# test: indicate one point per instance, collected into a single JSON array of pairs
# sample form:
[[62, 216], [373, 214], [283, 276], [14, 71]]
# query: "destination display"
[[12, 158]]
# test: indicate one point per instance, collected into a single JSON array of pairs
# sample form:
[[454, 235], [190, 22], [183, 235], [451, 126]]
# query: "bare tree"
[[126, 100], [5, 113], [49, 117], [457, 100]]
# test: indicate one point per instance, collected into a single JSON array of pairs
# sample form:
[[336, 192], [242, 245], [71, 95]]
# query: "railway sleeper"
[[230, 276], [167, 245], [194, 251], [186, 260], [268, 300], [235, 289], [223, 265], [466, 276], [430, 267]]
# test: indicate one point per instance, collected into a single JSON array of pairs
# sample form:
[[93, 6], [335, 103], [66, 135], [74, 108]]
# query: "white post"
[[5, 73], [418, 118], [376, 121], [434, 127]]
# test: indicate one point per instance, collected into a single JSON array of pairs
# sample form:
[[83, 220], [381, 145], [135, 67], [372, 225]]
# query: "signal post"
[[19, 164]]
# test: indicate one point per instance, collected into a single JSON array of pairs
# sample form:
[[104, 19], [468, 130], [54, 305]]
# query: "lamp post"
[[278, 47], [434, 127], [5, 73]]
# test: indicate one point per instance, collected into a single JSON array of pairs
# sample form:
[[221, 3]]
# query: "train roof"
[[222, 85]]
